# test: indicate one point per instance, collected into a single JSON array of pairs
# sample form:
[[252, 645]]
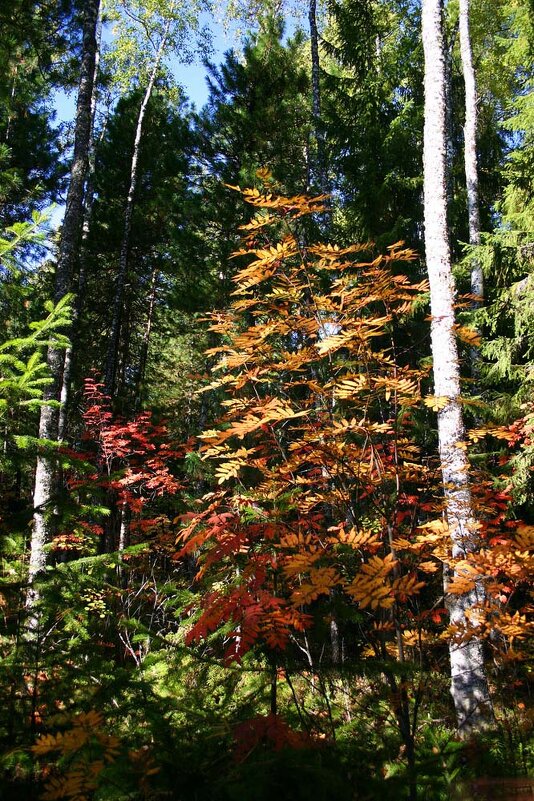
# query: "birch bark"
[[468, 679], [470, 143], [122, 275], [68, 252], [470, 162], [320, 166]]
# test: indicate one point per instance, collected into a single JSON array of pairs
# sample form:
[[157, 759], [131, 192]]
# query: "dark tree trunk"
[[146, 338], [82, 260], [68, 253]]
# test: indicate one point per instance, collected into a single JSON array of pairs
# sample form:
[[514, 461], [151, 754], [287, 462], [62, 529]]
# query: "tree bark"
[[146, 338], [68, 252], [470, 161], [468, 679], [122, 275], [89, 197], [320, 166], [470, 142]]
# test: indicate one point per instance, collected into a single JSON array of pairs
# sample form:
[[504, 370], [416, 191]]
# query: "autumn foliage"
[[320, 491]]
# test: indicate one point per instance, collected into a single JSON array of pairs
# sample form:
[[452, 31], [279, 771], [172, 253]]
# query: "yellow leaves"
[[227, 470], [464, 579], [47, 743], [437, 527], [428, 567], [81, 778], [259, 222], [334, 342], [411, 638], [515, 626], [71, 740], [358, 539], [264, 174], [468, 335], [370, 586], [299, 540], [321, 582], [524, 538], [497, 432], [405, 586], [350, 386], [436, 402], [403, 387], [298, 205], [299, 563], [334, 252]]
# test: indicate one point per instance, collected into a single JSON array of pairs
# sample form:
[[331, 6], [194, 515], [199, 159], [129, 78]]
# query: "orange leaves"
[[497, 432], [406, 586], [435, 402], [264, 266], [322, 581], [79, 745], [297, 205], [468, 335], [370, 587], [359, 539], [328, 496]]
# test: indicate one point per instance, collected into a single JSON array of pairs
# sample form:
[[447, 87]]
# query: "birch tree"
[[68, 253], [146, 33], [470, 144], [468, 679], [470, 162]]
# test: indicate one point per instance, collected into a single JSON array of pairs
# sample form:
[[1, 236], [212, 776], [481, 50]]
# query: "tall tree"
[[320, 155], [68, 251], [470, 142], [470, 160], [163, 28], [468, 679], [373, 114], [35, 39]]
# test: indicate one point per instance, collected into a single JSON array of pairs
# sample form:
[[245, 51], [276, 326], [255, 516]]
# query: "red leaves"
[[131, 456], [269, 731], [320, 490]]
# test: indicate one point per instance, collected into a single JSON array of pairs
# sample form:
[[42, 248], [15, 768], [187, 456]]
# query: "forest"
[[266, 400]]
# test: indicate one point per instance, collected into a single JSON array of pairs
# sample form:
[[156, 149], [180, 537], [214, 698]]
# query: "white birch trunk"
[[470, 140], [320, 165], [468, 680], [111, 361], [470, 162]]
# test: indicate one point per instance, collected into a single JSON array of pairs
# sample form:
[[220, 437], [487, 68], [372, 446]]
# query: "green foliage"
[[122, 709]]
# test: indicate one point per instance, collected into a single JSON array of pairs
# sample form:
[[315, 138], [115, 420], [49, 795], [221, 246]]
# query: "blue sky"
[[191, 76]]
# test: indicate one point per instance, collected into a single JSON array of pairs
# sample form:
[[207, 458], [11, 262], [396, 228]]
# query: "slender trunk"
[[320, 166], [468, 679], [146, 338], [11, 104], [449, 114], [470, 142], [68, 251], [87, 212], [122, 276], [470, 161]]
